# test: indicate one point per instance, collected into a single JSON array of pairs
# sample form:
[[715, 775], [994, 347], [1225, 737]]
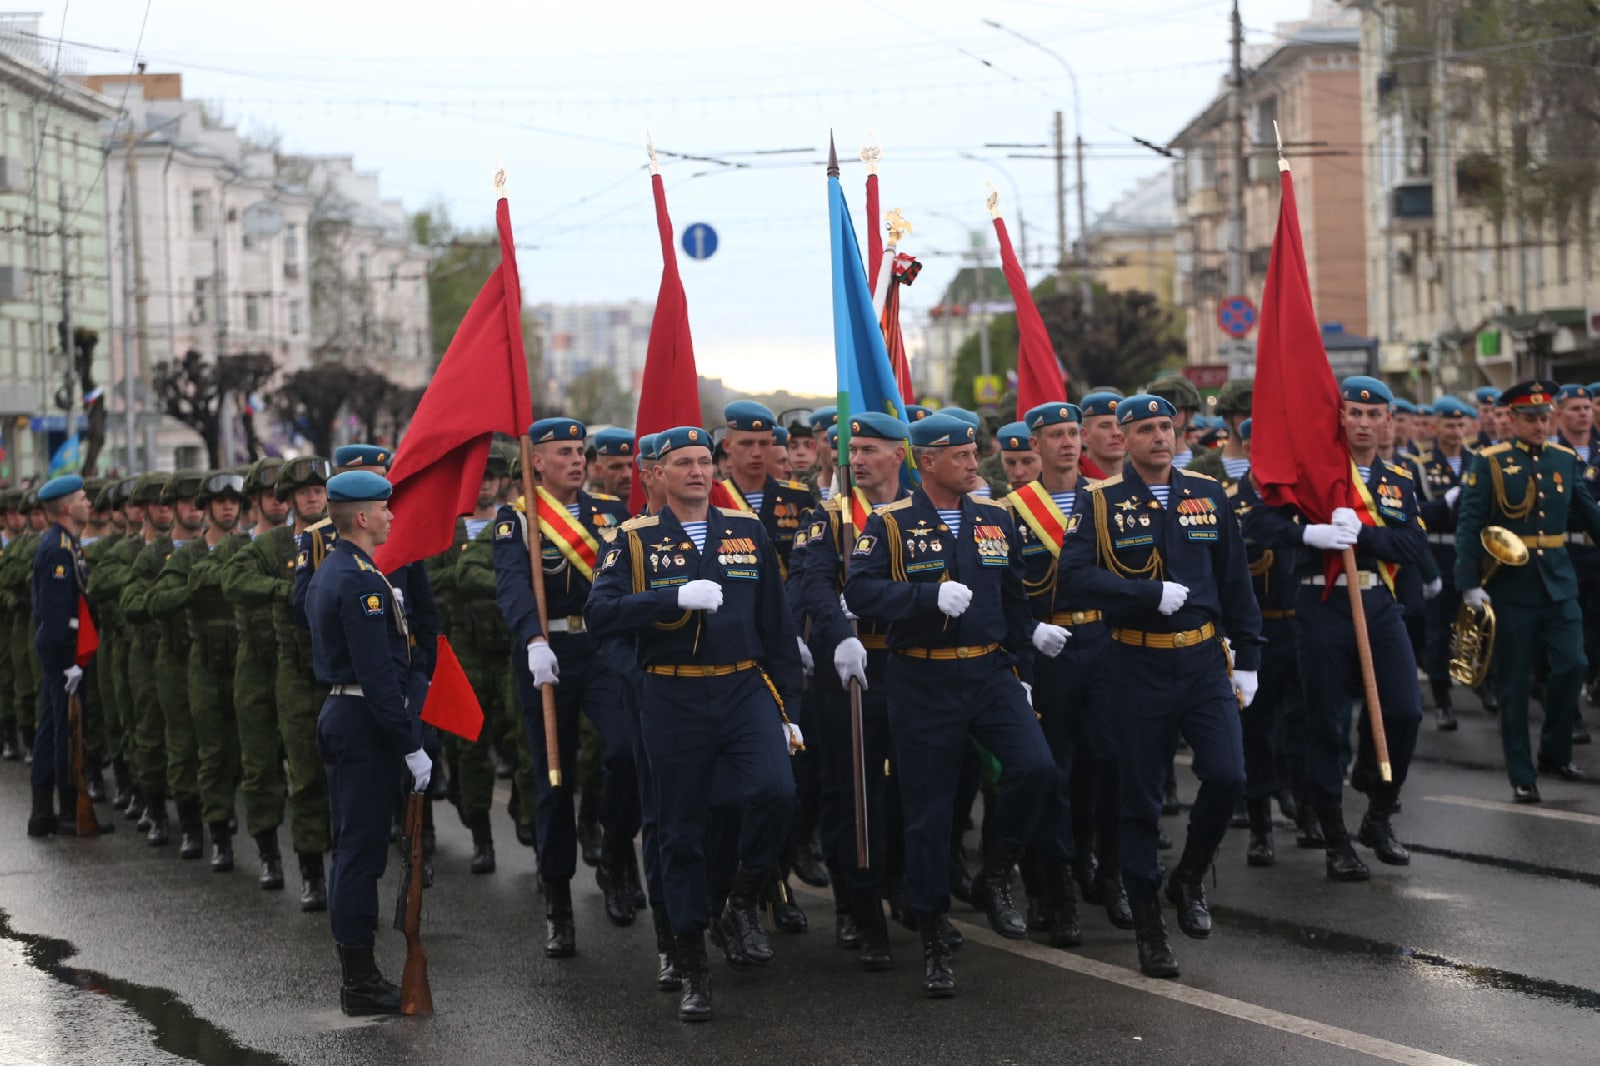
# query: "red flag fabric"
[[451, 704], [903, 270], [875, 241], [1038, 370], [88, 635], [479, 389], [669, 394]]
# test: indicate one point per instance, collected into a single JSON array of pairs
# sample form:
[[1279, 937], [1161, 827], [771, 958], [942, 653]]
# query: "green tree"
[[191, 390], [460, 262], [312, 399]]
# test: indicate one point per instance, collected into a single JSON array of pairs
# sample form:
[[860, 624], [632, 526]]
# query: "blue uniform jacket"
[[358, 637], [636, 594], [907, 551], [59, 577], [566, 590], [1271, 571], [817, 580], [316, 542], [784, 507], [1117, 528]]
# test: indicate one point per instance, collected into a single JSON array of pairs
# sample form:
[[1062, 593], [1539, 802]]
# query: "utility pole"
[[68, 348], [1061, 198], [1444, 170], [1085, 281], [1236, 256], [985, 358], [141, 304]]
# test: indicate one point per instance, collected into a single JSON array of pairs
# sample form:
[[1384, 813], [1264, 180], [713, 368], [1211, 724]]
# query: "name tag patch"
[[741, 573], [669, 582], [1200, 534], [1142, 541], [931, 564]]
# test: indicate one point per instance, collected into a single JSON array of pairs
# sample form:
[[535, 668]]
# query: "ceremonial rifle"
[[547, 693], [415, 995], [87, 825]]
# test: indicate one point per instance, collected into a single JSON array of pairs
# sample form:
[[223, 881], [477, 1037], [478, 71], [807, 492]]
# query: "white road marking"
[[1531, 810]]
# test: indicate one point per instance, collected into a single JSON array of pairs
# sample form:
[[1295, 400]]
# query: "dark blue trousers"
[[1073, 696], [649, 838], [1266, 719], [689, 727], [364, 773], [52, 737]]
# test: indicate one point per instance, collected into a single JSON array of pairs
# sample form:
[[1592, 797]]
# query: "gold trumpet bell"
[[1504, 546], [1472, 635]]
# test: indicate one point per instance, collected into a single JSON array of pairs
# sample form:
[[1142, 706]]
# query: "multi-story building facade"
[[1133, 244], [597, 348]]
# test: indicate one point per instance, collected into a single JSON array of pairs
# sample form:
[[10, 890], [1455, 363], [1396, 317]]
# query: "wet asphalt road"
[[1482, 950]]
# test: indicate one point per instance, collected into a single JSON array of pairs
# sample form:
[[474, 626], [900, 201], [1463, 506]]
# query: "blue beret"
[[1013, 437], [362, 455], [358, 486], [1449, 407], [1244, 429], [681, 437], [548, 430], [823, 417], [58, 488], [915, 412], [832, 436], [879, 425], [941, 430], [1574, 392], [647, 446], [1142, 406], [1052, 414], [1594, 388], [1100, 403], [1425, 410], [749, 416], [969, 417], [1404, 407], [1362, 389], [613, 442], [1486, 394], [780, 436]]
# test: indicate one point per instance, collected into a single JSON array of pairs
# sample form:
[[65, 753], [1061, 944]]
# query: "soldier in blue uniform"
[[614, 451], [1575, 419], [944, 571], [1159, 550], [59, 581], [369, 737], [700, 590], [1327, 648], [1440, 468], [575, 528]]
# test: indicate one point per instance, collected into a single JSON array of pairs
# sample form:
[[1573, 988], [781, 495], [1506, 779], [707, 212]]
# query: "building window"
[[252, 312], [198, 314], [291, 243], [197, 210], [294, 318], [1265, 113], [188, 455]]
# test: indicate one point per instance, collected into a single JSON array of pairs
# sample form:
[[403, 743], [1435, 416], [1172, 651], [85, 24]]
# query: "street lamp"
[[1016, 192]]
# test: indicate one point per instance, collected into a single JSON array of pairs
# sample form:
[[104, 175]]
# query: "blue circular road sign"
[[699, 241]]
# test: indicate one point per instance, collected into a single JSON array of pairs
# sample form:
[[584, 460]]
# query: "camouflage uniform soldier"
[[24, 658], [104, 723], [149, 730], [14, 522], [107, 579]]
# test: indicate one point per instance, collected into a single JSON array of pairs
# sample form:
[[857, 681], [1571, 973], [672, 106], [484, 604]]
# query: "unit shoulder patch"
[[505, 530], [372, 604]]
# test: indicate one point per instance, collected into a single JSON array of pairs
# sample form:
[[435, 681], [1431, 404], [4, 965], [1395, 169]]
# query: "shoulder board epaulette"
[[800, 485], [734, 512], [1114, 479], [1562, 448], [1231, 489], [604, 496], [1496, 449], [313, 527], [897, 505], [640, 521], [831, 505], [1399, 468], [1195, 473], [989, 501], [66, 541]]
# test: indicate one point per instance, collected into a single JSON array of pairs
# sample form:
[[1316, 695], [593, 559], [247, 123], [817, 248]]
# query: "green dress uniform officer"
[[368, 735], [1535, 489], [250, 581], [944, 571], [150, 730], [1159, 550]]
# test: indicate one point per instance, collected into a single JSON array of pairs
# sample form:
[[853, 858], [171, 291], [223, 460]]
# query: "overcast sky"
[[428, 94]]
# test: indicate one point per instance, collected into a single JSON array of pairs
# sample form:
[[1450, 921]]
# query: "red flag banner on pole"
[[874, 231], [451, 704], [902, 270], [1038, 370], [479, 389], [88, 635]]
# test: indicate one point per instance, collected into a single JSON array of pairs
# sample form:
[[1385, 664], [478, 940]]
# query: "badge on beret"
[[372, 604], [694, 434]]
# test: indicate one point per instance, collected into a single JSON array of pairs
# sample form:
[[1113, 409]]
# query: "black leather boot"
[[482, 843], [1150, 934], [1444, 713], [808, 867], [1343, 862], [630, 877], [271, 879], [744, 942], [1086, 871], [1260, 852], [122, 784], [846, 930], [938, 972], [787, 917], [313, 885], [1112, 893], [10, 746], [874, 931], [694, 1005], [560, 932], [991, 892], [42, 820], [1064, 928], [960, 876], [668, 977], [362, 989], [1308, 826], [221, 848], [155, 816], [590, 839], [193, 844], [1037, 914], [612, 879], [1376, 831], [1186, 888]]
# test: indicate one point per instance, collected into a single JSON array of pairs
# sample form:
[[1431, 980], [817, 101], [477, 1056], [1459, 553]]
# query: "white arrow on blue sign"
[[699, 241]]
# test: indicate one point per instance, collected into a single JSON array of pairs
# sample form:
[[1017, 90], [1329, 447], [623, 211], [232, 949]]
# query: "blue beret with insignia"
[[1013, 437], [879, 425], [1404, 407], [823, 417], [647, 446], [1594, 388], [833, 436], [613, 442], [780, 436], [1052, 414], [1103, 402], [1142, 406], [358, 486], [1362, 389], [1486, 394], [915, 412], [1244, 429], [58, 488], [940, 430], [1425, 410], [969, 417], [677, 439], [553, 430], [1449, 407], [749, 416], [1574, 392], [361, 455]]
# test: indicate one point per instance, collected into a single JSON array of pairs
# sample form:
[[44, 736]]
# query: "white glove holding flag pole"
[[850, 660], [74, 678], [399, 598], [542, 664], [845, 607], [793, 738], [806, 661], [1329, 537], [1050, 639], [421, 768], [954, 598], [1245, 684], [1475, 598], [1173, 596], [1345, 518], [700, 595]]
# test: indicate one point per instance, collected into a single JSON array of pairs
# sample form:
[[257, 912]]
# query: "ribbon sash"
[[1042, 515], [1366, 508], [557, 525]]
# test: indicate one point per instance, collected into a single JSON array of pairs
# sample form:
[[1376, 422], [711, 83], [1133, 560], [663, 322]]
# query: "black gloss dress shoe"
[[1525, 793], [1565, 771]]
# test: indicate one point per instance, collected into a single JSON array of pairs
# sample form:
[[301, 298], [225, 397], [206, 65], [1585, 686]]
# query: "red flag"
[[903, 270], [669, 394], [1038, 370], [451, 704], [479, 389], [875, 240], [88, 635]]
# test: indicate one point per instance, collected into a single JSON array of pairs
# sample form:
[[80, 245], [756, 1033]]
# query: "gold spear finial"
[[871, 153], [499, 179], [1283, 164], [897, 225], [650, 149], [992, 199]]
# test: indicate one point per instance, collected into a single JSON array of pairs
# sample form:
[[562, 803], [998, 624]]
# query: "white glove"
[[1027, 690], [806, 661], [1173, 596], [421, 768], [700, 595], [72, 623], [74, 678], [954, 598], [793, 738], [399, 598], [1245, 684], [1452, 495], [1050, 639], [542, 664], [1475, 598], [1433, 588], [1329, 538], [850, 659], [1345, 518], [845, 607]]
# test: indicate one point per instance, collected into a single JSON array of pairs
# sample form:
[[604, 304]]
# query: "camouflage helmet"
[[1177, 390], [306, 471], [123, 491], [100, 492], [502, 456], [149, 487], [10, 499], [218, 484], [30, 502], [262, 475], [183, 485], [1235, 396]]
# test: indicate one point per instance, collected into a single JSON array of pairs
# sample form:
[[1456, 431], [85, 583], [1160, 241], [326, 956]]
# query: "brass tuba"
[[1472, 635]]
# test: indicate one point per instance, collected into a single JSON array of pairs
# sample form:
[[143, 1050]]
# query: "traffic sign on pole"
[[1236, 315], [699, 241]]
